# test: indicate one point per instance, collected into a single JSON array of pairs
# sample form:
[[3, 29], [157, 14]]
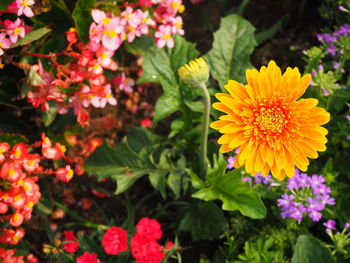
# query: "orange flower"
[[273, 130]]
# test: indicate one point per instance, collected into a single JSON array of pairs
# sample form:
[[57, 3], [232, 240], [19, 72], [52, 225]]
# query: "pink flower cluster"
[[13, 30], [19, 191], [110, 31], [83, 76]]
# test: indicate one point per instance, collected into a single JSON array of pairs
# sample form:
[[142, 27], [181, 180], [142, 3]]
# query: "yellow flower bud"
[[194, 72]]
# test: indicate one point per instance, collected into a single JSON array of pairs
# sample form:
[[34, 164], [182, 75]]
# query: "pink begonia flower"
[[4, 43], [14, 29], [104, 57], [113, 35], [108, 97], [163, 37], [146, 21], [95, 32], [177, 25], [100, 17], [124, 83], [24, 7], [129, 17]]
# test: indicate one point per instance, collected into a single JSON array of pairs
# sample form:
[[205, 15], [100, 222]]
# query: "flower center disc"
[[270, 120]]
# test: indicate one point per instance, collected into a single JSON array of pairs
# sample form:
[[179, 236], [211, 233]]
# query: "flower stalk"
[[205, 129], [196, 73]]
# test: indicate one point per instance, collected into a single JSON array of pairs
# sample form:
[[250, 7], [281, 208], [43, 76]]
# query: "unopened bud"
[[194, 72]]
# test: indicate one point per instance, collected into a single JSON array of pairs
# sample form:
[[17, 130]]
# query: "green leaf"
[[4, 4], [160, 66], [157, 180], [269, 33], [49, 116], [233, 44], [32, 36], [234, 194], [204, 221], [140, 45], [125, 163], [82, 18], [309, 250], [12, 138]]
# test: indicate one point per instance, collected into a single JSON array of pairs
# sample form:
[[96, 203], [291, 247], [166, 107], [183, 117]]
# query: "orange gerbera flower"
[[273, 130]]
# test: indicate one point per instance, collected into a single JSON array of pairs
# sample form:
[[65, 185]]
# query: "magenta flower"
[[4, 43], [14, 29], [24, 7]]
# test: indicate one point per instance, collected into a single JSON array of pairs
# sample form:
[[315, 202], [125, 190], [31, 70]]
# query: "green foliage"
[[160, 66], [12, 139], [32, 36], [136, 156], [203, 220], [309, 250], [82, 18], [229, 188], [259, 252], [233, 44], [4, 4]]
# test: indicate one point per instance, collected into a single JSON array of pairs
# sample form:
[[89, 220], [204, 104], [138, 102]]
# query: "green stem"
[[205, 128]]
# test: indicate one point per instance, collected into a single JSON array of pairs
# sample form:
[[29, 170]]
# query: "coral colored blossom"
[[88, 258], [274, 130], [71, 245], [146, 250], [150, 228], [115, 240]]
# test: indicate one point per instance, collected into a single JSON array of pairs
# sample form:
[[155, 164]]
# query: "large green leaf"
[[160, 66], [82, 18], [125, 163], [204, 221], [32, 36], [309, 250], [137, 155], [229, 188], [233, 44]]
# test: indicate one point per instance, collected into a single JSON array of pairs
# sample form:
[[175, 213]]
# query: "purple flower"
[[348, 138], [247, 179], [347, 225], [343, 30], [341, 8], [305, 195], [315, 215], [330, 225], [286, 201], [317, 180], [297, 212], [303, 180], [327, 200], [315, 204], [322, 189], [230, 162], [325, 92], [332, 49], [336, 65]]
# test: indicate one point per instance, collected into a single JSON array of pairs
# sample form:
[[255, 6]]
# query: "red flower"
[[146, 250], [149, 227], [115, 240], [88, 258], [70, 247]]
